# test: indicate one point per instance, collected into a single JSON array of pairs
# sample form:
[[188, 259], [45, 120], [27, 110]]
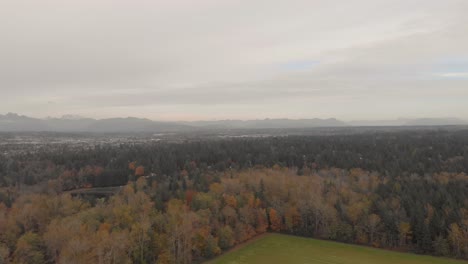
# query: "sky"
[[226, 59]]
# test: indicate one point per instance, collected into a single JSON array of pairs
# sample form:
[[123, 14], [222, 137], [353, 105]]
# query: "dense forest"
[[186, 202]]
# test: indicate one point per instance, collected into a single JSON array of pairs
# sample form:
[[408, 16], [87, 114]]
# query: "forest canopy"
[[189, 201]]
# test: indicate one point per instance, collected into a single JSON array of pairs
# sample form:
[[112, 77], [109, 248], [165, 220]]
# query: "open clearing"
[[277, 248]]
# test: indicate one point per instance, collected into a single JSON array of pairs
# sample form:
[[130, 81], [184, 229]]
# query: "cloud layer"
[[211, 59]]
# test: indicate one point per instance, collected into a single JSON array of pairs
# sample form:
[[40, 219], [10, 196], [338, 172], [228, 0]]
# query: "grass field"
[[276, 248]]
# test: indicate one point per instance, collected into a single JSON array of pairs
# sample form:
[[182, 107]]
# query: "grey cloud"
[[96, 57]]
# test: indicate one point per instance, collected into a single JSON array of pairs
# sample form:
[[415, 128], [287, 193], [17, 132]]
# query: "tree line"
[[140, 225], [394, 154]]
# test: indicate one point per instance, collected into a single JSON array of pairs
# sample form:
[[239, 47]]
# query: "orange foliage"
[[140, 171], [216, 188], [230, 200], [293, 218], [105, 227], [189, 194], [275, 220], [262, 222]]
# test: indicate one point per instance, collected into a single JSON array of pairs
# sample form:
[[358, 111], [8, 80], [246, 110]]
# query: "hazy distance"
[[215, 60], [19, 123]]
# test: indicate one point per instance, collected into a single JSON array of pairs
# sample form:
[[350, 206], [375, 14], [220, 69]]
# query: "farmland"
[[277, 248]]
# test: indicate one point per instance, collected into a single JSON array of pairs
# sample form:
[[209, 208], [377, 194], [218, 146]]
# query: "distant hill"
[[269, 123], [395, 122], [410, 122], [69, 124], [132, 124], [16, 123], [435, 122]]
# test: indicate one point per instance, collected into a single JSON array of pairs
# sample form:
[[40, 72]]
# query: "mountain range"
[[12, 122], [410, 122]]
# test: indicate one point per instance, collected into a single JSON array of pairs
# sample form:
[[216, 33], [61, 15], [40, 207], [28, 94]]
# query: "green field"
[[276, 248]]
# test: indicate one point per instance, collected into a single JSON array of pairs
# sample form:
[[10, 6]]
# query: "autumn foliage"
[[144, 223], [139, 171]]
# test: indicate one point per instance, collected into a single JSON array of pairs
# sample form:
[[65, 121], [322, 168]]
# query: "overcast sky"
[[222, 59]]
